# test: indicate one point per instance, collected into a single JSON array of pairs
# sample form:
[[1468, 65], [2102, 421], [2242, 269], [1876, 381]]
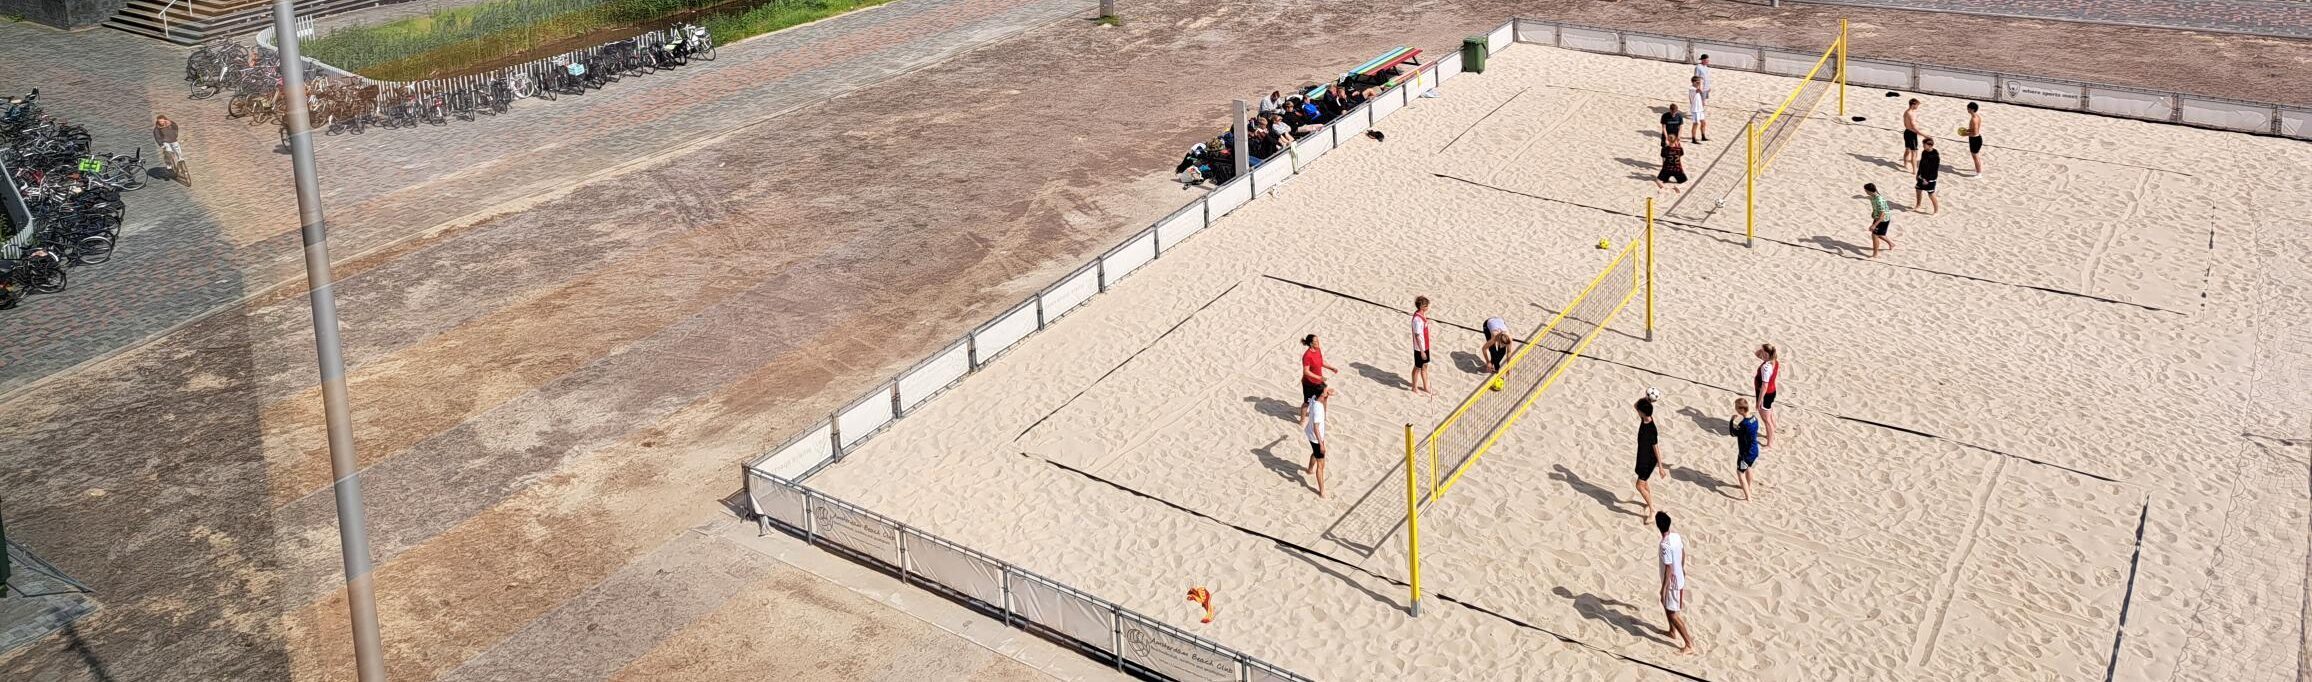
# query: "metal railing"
[[2261, 118], [1102, 629]]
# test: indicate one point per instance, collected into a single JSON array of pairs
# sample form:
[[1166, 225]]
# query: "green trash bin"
[[1473, 54]]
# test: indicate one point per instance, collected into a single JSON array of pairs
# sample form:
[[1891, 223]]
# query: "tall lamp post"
[[352, 528]]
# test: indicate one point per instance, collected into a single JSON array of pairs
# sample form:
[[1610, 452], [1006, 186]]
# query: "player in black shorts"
[[1930, 171], [1649, 452], [1975, 136]]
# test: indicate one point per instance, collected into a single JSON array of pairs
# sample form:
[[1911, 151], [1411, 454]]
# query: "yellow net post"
[[1842, 69], [1413, 520], [1750, 185], [1649, 269]]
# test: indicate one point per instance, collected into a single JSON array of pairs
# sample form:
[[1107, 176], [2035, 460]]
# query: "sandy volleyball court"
[[2077, 393]]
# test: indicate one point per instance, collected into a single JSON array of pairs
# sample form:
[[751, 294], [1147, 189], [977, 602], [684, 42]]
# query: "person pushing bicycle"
[[165, 135]]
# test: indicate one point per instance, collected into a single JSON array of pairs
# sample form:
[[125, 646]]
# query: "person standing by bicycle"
[[165, 134]]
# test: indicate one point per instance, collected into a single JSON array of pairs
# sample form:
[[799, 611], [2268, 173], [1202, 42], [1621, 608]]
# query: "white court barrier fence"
[[2261, 118]]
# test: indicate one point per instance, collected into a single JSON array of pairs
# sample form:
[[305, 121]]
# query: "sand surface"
[[2077, 392]]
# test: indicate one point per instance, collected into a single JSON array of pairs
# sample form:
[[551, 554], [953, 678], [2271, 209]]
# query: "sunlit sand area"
[[2055, 406]]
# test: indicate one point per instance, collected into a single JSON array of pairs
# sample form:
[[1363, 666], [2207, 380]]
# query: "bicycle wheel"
[[48, 281], [94, 249]]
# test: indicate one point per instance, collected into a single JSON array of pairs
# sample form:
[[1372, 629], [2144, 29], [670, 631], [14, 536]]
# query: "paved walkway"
[[2257, 17], [234, 234]]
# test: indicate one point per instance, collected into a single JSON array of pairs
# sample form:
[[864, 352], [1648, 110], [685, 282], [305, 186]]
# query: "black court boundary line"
[[1481, 120], [1697, 382], [1120, 365], [1697, 227], [2119, 633], [1295, 547]]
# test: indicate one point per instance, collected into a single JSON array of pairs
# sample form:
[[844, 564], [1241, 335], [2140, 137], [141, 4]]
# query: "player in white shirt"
[[1674, 598], [1695, 97], [1421, 330], [1702, 71], [1313, 427]]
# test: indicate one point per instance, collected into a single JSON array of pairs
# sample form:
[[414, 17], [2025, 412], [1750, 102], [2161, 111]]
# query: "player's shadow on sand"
[[1468, 362], [1835, 245], [1701, 478], [1602, 495], [1274, 408], [1877, 161], [1708, 424], [1284, 468], [1610, 612], [1380, 376]]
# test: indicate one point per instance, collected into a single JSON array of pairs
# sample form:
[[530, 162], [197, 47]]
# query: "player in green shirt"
[[1880, 215]]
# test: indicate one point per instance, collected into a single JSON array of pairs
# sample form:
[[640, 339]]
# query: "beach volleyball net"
[[1455, 445], [1764, 134]]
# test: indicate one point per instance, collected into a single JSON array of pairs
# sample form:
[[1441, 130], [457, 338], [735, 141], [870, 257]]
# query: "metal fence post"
[[835, 433], [810, 519], [901, 538], [895, 400], [1039, 301], [1116, 624], [1007, 597], [971, 351], [1100, 273]]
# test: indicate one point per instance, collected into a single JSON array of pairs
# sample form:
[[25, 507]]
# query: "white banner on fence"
[[1877, 74], [1351, 124], [861, 419], [1539, 32], [1070, 293], [1965, 84], [1589, 40], [1004, 332], [958, 570], [1224, 200], [1309, 149], [797, 458], [934, 375], [2040, 93], [867, 535], [1728, 56], [1500, 38], [2295, 123], [1124, 260], [1064, 612], [1176, 657], [2232, 115], [1176, 229], [2143, 105], [776, 500], [1655, 47], [1272, 173], [1789, 63], [1387, 103]]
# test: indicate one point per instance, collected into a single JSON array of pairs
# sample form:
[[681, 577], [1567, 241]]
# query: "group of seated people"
[[1281, 120]]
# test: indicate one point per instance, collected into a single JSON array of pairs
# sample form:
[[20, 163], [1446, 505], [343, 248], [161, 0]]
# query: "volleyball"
[[1963, 131], [1495, 385], [1653, 393]]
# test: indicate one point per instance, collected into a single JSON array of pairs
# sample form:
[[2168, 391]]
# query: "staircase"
[[191, 22]]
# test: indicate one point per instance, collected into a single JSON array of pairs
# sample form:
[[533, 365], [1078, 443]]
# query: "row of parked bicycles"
[[72, 193], [350, 104]]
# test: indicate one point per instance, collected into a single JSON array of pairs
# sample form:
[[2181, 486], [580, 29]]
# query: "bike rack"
[[18, 213]]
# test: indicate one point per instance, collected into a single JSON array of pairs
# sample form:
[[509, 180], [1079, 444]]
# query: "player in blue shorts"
[[1745, 429]]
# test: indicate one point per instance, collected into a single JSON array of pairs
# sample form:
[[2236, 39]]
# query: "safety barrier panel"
[[1137, 644], [2036, 91], [1099, 628]]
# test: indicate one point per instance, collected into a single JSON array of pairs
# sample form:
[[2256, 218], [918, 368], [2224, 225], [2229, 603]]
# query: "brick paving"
[[2284, 19], [236, 234]]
